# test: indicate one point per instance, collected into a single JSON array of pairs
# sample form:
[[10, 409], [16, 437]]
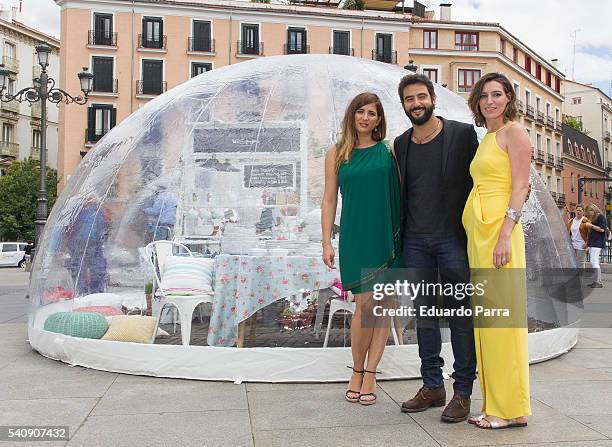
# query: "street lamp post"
[[44, 90]]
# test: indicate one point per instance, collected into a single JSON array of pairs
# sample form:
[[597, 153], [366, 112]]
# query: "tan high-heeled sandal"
[[355, 399]]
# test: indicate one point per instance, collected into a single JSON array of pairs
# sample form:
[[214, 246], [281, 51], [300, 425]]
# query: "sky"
[[546, 26]]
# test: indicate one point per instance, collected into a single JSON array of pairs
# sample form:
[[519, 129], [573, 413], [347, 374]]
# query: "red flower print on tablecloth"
[[260, 301], [267, 286], [244, 264], [243, 279], [305, 276], [221, 341], [285, 281], [245, 313], [233, 309], [259, 269]]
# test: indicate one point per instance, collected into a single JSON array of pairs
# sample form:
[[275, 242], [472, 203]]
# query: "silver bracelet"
[[513, 214]]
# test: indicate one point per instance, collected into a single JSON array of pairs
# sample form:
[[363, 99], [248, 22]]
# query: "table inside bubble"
[[244, 284]]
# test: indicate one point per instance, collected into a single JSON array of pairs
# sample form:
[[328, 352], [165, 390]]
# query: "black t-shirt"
[[425, 210], [597, 239]]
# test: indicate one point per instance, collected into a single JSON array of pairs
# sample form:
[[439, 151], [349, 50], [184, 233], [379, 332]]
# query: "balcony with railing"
[[147, 87], [529, 112], [12, 107], [559, 164], [35, 153], [92, 134], [539, 156], [550, 160], [550, 122], [246, 48], [390, 57], [520, 107], [103, 85], [540, 117], [8, 149], [560, 199], [342, 50], [36, 109], [558, 127], [11, 64], [101, 39], [296, 49], [199, 45], [146, 42]]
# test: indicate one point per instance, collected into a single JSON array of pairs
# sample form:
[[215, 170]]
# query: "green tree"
[[354, 4], [574, 123], [18, 197]]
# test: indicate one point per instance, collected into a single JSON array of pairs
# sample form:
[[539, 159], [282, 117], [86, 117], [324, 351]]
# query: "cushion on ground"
[[131, 328], [107, 311], [77, 324], [184, 275]]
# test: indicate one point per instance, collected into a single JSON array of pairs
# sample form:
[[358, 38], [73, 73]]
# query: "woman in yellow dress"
[[500, 170]]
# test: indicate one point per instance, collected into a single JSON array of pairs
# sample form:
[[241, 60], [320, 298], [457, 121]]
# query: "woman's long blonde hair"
[[348, 137], [594, 208]]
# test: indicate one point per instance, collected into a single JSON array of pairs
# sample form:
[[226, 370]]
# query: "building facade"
[[139, 50], [20, 122], [593, 109], [582, 160], [457, 54]]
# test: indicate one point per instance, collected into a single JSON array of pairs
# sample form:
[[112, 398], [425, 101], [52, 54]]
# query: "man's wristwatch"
[[513, 214]]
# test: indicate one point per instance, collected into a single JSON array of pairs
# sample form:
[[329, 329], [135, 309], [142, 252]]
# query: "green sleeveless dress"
[[370, 220]]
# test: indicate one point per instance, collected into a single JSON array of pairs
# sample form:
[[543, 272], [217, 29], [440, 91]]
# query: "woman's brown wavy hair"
[[510, 113]]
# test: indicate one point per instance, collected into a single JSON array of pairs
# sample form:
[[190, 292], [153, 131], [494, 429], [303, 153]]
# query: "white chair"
[[157, 252], [348, 305]]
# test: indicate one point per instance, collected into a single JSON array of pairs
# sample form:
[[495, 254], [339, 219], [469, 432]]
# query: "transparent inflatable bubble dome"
[[195, 223]]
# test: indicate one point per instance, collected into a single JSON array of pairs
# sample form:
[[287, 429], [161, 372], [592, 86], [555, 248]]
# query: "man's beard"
[[428, 112]]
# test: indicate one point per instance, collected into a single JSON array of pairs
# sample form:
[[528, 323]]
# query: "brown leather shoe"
[[458, 409], [425, 398]]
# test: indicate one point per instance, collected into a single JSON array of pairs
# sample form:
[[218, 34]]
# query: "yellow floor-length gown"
[[501, 352]]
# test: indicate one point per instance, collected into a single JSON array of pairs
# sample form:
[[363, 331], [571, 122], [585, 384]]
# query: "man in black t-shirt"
[[434, 158]]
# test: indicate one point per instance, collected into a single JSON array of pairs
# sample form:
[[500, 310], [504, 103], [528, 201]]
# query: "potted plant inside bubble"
[[149, 296]]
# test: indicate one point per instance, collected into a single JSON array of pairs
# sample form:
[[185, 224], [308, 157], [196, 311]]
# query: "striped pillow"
[[184, 275]]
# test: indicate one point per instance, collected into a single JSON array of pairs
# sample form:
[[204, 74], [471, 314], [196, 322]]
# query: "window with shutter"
[[201, 36], [341, 43], [103, 74]]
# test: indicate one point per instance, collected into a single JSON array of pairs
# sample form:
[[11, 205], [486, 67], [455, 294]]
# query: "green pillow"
[[77, 324]]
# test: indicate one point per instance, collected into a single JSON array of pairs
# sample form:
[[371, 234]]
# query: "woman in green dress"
[[362, 167]]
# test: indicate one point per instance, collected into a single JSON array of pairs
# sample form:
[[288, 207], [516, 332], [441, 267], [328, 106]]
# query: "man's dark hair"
[[415, 79]]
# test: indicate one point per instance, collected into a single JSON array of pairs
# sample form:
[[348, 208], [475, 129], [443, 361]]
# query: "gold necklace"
[[423, 140]]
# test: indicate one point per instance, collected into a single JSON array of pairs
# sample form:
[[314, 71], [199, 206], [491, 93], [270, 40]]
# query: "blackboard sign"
[[269, 176], [246, 139]]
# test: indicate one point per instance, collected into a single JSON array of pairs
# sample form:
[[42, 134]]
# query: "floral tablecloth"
[[245, 284]]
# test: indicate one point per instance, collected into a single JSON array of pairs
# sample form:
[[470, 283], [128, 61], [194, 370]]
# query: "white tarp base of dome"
[[257, 364]]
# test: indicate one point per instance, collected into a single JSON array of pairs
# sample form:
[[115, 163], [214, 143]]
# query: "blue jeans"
[[434, 259]]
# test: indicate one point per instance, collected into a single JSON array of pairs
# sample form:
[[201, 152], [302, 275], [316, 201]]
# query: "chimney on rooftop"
[[555, 62], [445, 11]]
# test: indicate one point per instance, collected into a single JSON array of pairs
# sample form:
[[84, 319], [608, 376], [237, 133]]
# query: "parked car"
[[12, 254]]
